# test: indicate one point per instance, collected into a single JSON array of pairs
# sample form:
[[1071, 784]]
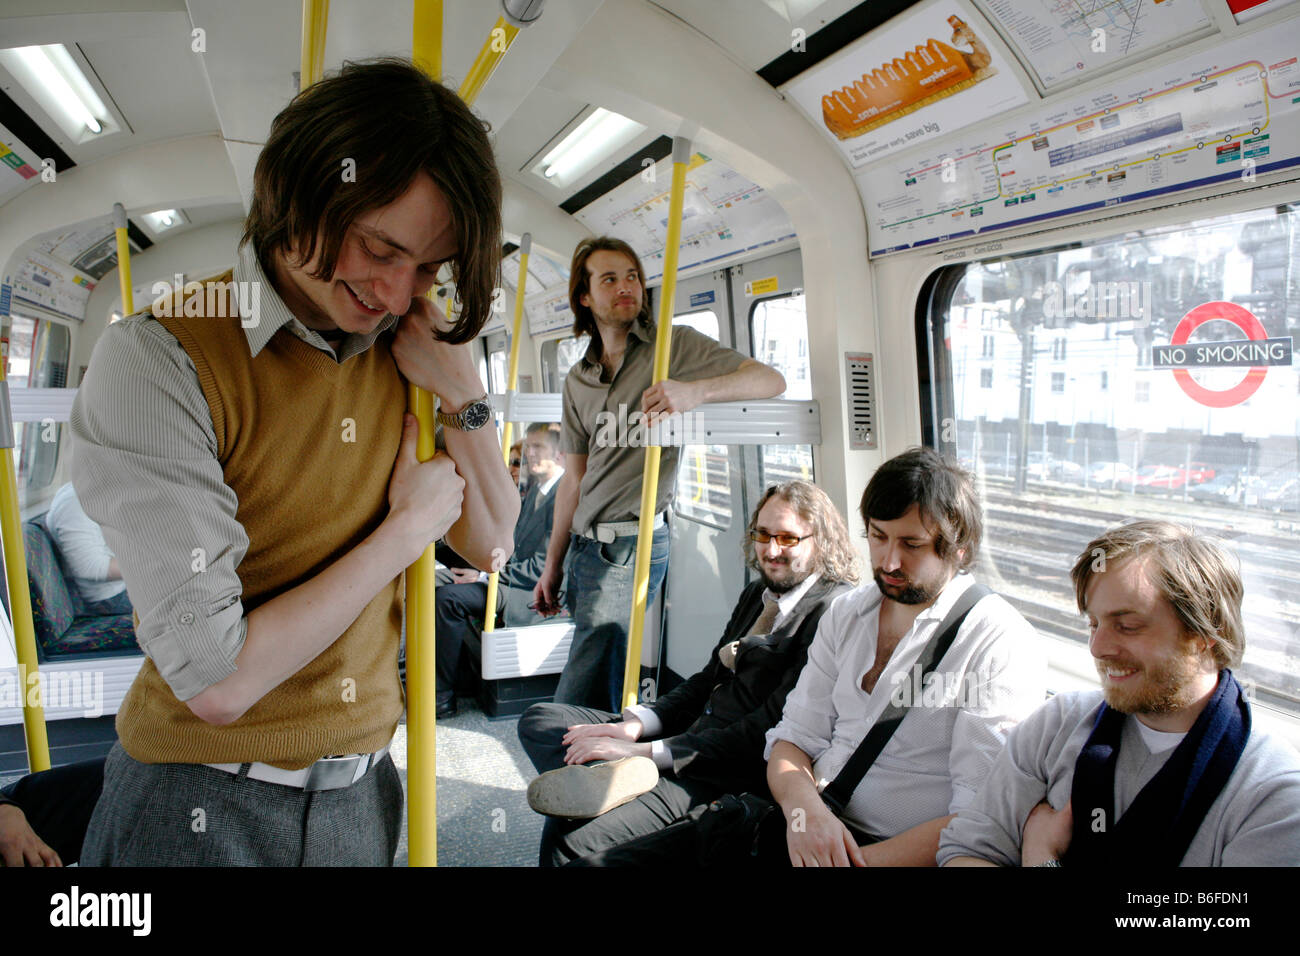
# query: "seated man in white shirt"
[[94, 570], [924, 526], [1167, 769]]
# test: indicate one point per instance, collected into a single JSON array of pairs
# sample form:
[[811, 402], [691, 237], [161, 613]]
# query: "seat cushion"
[[53, 608], [95, 634]]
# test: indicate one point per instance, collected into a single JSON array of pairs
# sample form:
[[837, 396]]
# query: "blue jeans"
[[599, 594]]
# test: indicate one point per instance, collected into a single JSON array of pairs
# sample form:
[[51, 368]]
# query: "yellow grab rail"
[[512, 383], [421, 669], [650, 473], [494, 48], [426, 37], [123, 259], [421, 676], [20, 597], [421, 653], [311, 61]]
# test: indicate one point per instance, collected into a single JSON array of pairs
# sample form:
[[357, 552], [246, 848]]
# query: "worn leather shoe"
[[446, 708], [584, 791]]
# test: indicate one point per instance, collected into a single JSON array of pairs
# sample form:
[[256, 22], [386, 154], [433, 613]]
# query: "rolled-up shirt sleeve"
[[1004, 683], [145, 468], [808, 720]]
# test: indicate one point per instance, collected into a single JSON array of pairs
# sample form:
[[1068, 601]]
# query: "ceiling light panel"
[[52, 77], [598, 137]]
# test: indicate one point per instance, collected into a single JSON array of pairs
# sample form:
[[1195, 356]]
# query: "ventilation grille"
[[862, 400]]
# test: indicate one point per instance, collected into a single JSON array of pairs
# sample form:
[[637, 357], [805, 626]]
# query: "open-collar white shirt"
[[993, 675]]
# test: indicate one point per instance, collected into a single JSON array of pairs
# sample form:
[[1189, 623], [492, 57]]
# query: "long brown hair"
[[836, 559], [584, 323], [391, 121]]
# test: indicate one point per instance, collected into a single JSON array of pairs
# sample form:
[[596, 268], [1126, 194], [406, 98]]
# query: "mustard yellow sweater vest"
[[308, 447]]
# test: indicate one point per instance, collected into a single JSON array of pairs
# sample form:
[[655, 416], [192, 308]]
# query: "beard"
[[1164, 687], [910, 592], [783, 577]]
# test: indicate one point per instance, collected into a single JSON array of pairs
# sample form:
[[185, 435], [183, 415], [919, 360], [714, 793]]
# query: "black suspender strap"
[[840, 790]]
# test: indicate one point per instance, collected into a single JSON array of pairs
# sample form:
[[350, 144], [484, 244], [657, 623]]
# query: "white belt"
[[609, 530], [328, 773]]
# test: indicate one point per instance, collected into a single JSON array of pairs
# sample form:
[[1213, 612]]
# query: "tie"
[[762, 626], [765, 620]]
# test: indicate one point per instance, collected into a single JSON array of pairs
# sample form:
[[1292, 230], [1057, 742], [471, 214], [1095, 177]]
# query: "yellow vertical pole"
[[650, 473], [421, 659], [315, 18], [421, 686], [426, 37], [123, 259], [20, 598], [512, 383]]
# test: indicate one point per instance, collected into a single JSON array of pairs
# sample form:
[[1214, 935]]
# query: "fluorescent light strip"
[[44, 69], [591, 141]]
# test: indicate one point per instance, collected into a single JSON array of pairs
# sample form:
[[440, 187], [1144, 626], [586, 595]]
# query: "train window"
[[38, 358], [497, 362], [1177, 401], [705, 322], [778, 327], [560, 355], [704, 473]]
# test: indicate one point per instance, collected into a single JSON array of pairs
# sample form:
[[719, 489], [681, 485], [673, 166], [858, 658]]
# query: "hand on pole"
[[669, 397], [424, 498]]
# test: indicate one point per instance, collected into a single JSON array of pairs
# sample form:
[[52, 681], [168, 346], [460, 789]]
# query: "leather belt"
[[328, 773], [607, 531]]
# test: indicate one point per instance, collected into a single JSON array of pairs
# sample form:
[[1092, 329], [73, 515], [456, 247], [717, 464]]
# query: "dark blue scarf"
[[1159, 826]]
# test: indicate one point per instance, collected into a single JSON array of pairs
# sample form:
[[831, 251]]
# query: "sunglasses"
[[783, 540]]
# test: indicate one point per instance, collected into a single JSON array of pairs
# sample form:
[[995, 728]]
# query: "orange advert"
[[923, 75]]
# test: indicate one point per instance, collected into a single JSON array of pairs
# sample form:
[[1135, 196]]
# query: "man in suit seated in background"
[[705, 738], [461, 605]]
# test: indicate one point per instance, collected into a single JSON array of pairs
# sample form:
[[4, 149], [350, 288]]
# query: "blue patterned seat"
[[58, 615]]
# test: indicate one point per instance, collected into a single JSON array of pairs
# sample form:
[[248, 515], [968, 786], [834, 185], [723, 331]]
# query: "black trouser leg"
[[58, 804]]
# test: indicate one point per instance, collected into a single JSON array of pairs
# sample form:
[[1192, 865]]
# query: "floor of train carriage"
[[483, 777]]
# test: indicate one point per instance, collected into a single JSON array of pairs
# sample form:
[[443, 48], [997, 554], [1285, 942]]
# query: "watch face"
[[476, 415]]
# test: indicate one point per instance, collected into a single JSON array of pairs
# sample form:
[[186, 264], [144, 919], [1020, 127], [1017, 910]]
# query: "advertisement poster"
[[919, 77], [1228, 112]]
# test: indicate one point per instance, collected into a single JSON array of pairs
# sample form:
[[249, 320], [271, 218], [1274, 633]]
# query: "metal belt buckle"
[[331, 773]]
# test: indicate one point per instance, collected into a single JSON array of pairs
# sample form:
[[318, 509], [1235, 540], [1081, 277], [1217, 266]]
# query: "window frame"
[[1069, 662]]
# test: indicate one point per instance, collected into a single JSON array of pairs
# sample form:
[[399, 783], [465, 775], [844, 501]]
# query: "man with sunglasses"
[[705, 738], [934, 730]]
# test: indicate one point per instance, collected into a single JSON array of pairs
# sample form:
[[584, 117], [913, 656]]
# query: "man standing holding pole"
[[599, 496]]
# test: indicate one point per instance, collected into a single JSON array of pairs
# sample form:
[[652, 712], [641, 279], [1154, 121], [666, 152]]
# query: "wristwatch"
[[473, 416]]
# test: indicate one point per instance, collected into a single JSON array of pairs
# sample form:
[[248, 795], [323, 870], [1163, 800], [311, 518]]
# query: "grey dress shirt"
[[145, 467], [599, 415]]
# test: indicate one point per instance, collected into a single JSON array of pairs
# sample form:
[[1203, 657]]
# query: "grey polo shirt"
[[601, 420], [145, 468]]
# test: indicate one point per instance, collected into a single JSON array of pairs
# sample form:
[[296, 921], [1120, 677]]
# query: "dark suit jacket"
[[532, 535], [716, 721]]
